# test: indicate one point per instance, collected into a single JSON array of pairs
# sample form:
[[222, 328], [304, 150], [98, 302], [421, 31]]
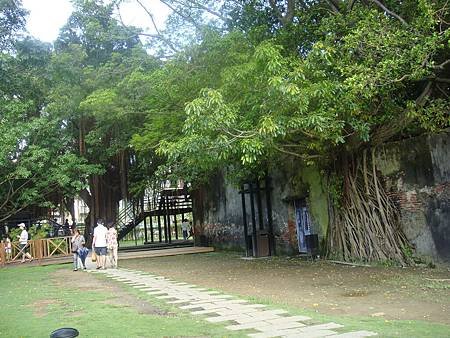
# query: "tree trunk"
[[70, 207], [365, 222], [123, 163], [104, 197]]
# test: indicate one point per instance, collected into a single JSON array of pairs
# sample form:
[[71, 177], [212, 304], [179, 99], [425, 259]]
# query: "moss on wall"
[[318, 199], [388, 160], [308, 182]]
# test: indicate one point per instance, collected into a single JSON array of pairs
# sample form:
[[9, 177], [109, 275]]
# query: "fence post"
[[39, 253], [32, 246], [2, 254]]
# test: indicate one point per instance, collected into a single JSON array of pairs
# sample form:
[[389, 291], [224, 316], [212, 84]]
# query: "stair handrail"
[[153, 200]]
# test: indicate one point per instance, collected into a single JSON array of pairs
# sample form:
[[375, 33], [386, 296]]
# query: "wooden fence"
[[38, 249]]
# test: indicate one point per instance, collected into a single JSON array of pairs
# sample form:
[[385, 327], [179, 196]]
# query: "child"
[[8, 248]]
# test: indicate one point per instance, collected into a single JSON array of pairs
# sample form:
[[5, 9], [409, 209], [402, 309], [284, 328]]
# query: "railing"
[[126, 215], [38, 249], [168, 201]]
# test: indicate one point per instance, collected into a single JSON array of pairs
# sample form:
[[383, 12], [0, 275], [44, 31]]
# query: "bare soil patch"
[[388, 292], [82, 281], [40, 307]]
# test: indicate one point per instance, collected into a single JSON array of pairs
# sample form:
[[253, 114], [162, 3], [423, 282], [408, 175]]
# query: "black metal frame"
[[254, 189], [169, 202]]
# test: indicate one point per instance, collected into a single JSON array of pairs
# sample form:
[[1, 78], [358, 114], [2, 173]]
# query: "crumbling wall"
[[218, 210], [217, 213], [296, 181], [416, 173], [417, 176]]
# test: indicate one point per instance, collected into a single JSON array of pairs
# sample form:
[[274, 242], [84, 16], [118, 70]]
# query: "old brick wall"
[[218, 214], [417, 175]]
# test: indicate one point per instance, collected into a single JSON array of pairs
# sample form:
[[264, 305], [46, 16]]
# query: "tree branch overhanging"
[[391, 13], [442, 65], [288, 16], [184, 16], [205, 8], [155, 26], [334, 6]]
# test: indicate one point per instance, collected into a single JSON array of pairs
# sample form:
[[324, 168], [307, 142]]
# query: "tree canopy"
[[362, 76]]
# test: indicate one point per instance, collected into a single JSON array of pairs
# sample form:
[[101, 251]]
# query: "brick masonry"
[[416, 173]]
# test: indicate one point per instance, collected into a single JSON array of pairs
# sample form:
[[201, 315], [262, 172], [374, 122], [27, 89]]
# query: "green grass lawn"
[[33, 304]]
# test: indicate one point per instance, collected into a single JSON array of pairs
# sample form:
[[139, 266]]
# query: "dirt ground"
[[386, 292]]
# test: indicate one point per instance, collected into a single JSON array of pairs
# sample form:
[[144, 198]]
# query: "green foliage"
[[361, 77], [12, 22], [101, 72], [246, 89], [335, 186], [39, 231], [14, 234], [92, 26], [37, 162]]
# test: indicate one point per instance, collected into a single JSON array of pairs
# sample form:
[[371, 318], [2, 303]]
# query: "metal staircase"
[[163, 203]]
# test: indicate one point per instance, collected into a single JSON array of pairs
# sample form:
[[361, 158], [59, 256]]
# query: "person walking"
[[77, 245], [99, 244], [185, 228], [111, 240], [23, 243]]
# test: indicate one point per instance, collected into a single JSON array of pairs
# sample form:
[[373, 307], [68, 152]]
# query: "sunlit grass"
[[33, 306]]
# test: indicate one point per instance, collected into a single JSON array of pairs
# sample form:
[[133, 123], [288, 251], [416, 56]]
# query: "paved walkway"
[[237, 314]]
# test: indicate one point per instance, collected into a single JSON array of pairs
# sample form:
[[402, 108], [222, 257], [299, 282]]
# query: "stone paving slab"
[[252, 325], [203, 312], [222, 308], [354, 334]]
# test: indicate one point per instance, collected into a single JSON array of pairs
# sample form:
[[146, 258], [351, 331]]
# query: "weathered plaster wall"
[[218, 214], [218, 209], [417, 174], [298, 182]]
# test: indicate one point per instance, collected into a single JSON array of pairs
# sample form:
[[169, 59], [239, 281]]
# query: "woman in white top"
[[23, 243]]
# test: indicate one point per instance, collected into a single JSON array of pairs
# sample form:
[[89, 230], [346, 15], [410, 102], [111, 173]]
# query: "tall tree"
[[95, 60], [35, 165], [368, 72]]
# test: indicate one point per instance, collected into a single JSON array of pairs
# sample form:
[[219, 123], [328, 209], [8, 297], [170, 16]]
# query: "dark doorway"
[[308, 240], [303, 224], [257, 218], [438, 219]]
